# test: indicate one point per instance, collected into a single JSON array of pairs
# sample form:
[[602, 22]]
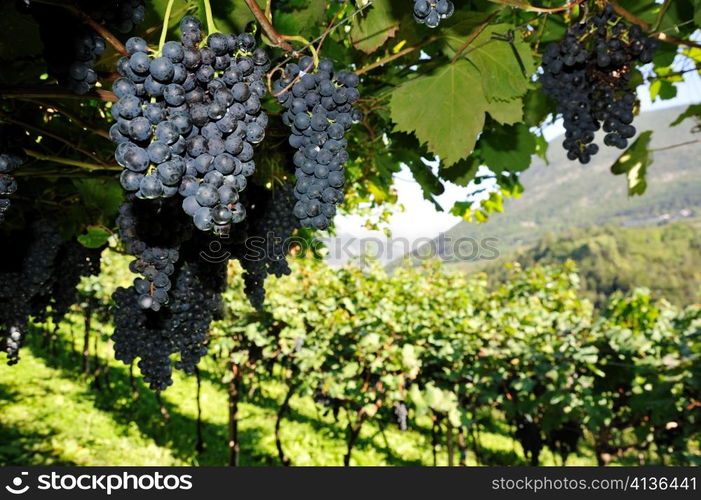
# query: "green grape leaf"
[[693, 111], [94, 237], [300, 16], [505, 67], [462, 172], [634, 162], [506, 112], [100, 196], [508, 148], [372, 30], [444, 110], [662, 89]]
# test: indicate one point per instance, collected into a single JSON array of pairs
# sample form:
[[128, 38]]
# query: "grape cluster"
[[154, 238], [430, 12], [26, 275], [119, 15], [88, 46], [154, 337], [8, 185], [187, 122], [588, 73], [72, 49], [76, 261], [319, 111], [269, 229], [401, 413], [39, 271]]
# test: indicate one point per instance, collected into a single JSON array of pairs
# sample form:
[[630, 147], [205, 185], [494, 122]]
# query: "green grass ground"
[[51, 414]]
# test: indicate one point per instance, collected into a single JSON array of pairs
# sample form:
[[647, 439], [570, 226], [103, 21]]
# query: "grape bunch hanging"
[[187, 122], [11, 159], [319, 112], [71, 48], [588, 73], [39, 272]]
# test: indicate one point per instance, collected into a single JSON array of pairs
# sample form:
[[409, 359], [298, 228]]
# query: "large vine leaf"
[[230, 16], [505, 66], [508, 148], [300, 16], [445, 110], [507, 112], [463, 172], [634, 162], [371, 31], [405, 149], [100, 195]]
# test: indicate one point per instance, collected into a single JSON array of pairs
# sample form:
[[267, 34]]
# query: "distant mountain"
[[563, 195]]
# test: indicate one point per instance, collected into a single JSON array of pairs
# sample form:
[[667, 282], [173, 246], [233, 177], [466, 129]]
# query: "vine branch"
[[47, 133], [72, 117], [673, 146], [550, 10], [276, 38], [69, 161], [211, 27], [392, 57], [662, 13], [632, 18], [56, 93], [101, 30]]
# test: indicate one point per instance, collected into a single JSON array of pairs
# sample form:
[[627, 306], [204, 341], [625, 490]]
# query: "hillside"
[[666, 259], [563, 195]]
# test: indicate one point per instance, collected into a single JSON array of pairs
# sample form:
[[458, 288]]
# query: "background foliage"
[[336, 354]]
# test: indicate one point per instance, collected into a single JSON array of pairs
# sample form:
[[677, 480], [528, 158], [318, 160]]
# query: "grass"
[[51, 414]]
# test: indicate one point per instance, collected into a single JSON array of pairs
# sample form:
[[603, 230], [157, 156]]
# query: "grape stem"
[[632, 18], [166, 21], [100, 29], [275, 38], [72, 117], [681, 144], [392, 57], [69, 161], [550, 10], [56, 93], [315, 54], [661, 14], [211, 27], [153, 29]]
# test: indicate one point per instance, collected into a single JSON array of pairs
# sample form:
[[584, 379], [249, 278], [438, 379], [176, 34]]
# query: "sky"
[[421, 220]]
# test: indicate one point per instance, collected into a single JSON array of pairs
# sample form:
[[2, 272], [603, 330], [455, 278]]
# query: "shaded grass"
[[52, 414]]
